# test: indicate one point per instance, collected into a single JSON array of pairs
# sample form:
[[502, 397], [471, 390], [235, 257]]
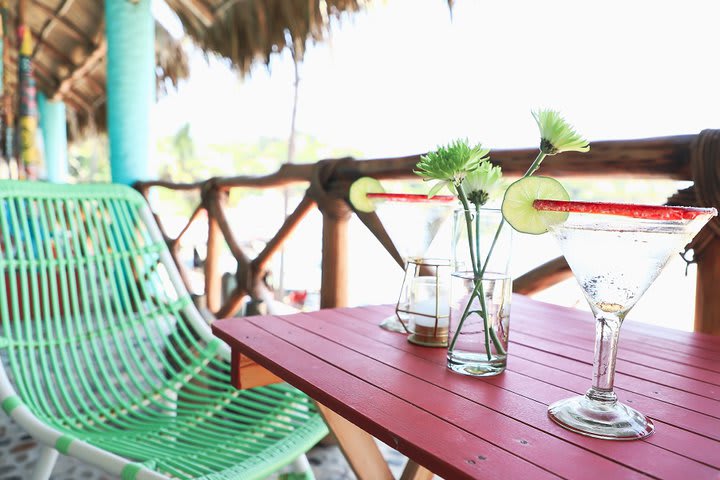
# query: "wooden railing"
[[327, 186]]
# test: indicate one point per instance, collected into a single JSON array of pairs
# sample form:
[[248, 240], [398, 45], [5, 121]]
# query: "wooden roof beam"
[[52, 50], [70, 27], [99, 101], [45, 72], [82, 104], [200, 10], [81, 71], [47, 79], [52, 21], [44, 78]]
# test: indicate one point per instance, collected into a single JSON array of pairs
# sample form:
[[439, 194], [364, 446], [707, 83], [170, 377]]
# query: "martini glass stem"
[[607, 333]]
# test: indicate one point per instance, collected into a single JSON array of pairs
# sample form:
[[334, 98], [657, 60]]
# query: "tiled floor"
[[18, 454]]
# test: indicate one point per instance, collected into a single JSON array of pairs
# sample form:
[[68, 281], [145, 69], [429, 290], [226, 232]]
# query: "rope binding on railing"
[[320, 191], [705, 191]]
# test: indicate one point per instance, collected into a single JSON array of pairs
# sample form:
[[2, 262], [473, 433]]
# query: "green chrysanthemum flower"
[[556, 135], [481, 183], [450, 164]]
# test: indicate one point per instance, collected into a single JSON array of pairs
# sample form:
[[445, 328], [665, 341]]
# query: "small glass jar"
[[426, 303]]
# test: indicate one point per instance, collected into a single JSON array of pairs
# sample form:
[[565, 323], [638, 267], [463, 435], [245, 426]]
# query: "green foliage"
[[89, 160], [482, 183], [183, 158], [451, 163], [556, 135]]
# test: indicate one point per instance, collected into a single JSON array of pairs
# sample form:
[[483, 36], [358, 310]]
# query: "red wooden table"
[[460, 427]]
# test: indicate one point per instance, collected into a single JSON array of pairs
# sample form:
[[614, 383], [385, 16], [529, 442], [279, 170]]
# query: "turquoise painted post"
[[53, 125], [130, 30]]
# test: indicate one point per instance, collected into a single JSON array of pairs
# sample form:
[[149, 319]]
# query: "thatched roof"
[[70, 46], [69, 56], [246, 31]]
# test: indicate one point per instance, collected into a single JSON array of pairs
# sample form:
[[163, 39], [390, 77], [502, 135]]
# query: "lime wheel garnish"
[[359, 191], [649, 212], [517, 206]]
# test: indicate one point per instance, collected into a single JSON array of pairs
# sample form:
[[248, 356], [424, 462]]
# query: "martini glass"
[[415, 224], [615, 252]]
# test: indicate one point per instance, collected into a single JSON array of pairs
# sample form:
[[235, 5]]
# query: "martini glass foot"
[[607, 420]]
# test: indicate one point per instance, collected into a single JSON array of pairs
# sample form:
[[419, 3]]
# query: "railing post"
[[707, 305], [336, 214], [334, 284], [705, 168], [213, 278]]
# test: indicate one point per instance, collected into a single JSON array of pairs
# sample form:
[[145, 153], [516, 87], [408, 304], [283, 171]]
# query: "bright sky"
[[402, 78]]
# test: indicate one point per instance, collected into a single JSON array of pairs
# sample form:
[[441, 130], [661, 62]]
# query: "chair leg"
[[301, 470], [45, 464]]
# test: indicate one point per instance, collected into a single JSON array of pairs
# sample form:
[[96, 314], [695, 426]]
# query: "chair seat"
[[102, 345], [192, 424], [201, 428], [242, 435]]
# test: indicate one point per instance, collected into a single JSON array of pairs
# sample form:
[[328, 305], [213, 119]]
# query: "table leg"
[[413, 471], [358, 446]]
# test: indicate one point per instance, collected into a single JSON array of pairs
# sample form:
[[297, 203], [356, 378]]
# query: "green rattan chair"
[[105, 358]]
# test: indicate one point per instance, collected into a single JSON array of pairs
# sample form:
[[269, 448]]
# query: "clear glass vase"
[[481, 291]]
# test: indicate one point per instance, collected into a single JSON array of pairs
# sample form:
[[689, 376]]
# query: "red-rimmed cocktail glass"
[[615, 252], [414, 222]]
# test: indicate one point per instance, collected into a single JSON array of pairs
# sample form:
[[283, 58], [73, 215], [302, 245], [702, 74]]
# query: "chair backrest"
[[95, 317]]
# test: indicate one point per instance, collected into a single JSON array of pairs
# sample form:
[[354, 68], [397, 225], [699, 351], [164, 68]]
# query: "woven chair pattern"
[[101, 344]]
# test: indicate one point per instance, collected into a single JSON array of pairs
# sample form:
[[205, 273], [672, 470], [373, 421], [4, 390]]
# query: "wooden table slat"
[[573, 323], [374, 366], [671, 379], [556, 313], [462, 427], [583, 336], [692, 445], [623, 383], [376, 410], [529, 387], [579, 365]]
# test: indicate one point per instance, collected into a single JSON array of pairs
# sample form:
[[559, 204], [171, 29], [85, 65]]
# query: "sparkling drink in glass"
[[615, 252]]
